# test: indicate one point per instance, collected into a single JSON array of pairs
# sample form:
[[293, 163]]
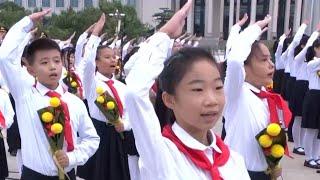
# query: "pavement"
[[293, 169]]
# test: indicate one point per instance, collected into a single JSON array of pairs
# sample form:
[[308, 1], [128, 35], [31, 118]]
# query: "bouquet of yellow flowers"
[[108, 106], [74, 84], [53, 122], [273, 142]]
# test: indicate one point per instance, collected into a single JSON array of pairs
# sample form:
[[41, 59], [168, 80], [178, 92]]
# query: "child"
[[249, 69], [298, 94], [44, 63], [99, 64], [311, 105], [6, 119], [193, 90]]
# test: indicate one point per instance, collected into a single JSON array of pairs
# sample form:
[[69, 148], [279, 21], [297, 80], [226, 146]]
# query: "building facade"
[[57, 5], [214, 18]]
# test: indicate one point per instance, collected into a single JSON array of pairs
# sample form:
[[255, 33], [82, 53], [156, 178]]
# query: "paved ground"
[[293, 169]]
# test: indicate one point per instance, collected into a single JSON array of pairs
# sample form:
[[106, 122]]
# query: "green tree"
[[10, 13]]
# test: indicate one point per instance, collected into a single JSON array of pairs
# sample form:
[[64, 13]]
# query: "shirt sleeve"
[[295, 42], [234, 33], [7, 110], [299, 59], [87, 142], [10, 56], [79, 47], [88, 66], [279, 48], [235, 73], [314, 65], [143, 119]]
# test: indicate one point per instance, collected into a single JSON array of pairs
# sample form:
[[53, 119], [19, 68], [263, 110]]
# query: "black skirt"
[[3, 160], [311, 110], [110, 161], [284, 83], [299, 91], [289, 86], [277, 80]]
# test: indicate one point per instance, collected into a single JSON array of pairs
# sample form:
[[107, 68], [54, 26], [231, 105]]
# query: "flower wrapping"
[[273, 142], [109, 108], [53, 123]]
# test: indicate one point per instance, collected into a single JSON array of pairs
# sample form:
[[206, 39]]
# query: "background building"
[[211, 19], [56, 5]]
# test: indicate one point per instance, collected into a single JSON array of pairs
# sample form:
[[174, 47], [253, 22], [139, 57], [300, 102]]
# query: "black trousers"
[[29, 174], [254, 175]]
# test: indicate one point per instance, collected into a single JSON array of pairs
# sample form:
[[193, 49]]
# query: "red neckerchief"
[[67, 129], [276, 101], [198, 157], [116, 96], [2, 120]]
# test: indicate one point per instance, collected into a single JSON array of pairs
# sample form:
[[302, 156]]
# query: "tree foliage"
[[63, 25]]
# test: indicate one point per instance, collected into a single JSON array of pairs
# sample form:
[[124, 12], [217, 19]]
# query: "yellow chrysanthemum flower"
[[110, 105], [74, 84], [99, 90], [277, 151], [265, 141], [273, 129], [100, 99], [47, 117], [54, 102], [56, 128]]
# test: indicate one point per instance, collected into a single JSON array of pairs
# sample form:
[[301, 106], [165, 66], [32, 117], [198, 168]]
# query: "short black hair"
[[40, 45], [310, 52]]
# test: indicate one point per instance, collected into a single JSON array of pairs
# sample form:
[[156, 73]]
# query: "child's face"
[[260, 69], [106, 62], [47, 67], [71, 61], [199, 98], [317, 51]]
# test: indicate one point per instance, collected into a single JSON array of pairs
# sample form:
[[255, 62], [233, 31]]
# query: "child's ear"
[[31, 71], [168, 100]]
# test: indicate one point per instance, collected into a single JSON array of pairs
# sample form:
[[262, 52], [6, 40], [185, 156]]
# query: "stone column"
[[221, 17], [297, 17], [287, 16], [275, 18], [269, 36], [190, 21], [238, 11], [212, 19], [231, 14], [253, 11]]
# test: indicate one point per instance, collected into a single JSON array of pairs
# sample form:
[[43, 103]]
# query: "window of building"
[[88, 3], [18, 2], [59, 3], [45, 3], [74, 3], [31, 3], [199, 17]]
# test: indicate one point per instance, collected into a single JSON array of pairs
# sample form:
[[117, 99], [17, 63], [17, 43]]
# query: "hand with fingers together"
[[263, 23], [38, 16], [99, 25], [243, 20], [90, 29], [173, 28]]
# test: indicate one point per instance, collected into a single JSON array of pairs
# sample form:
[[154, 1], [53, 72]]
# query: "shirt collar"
[[43, 90], [103, 78], [254, 89], [189, 141]]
